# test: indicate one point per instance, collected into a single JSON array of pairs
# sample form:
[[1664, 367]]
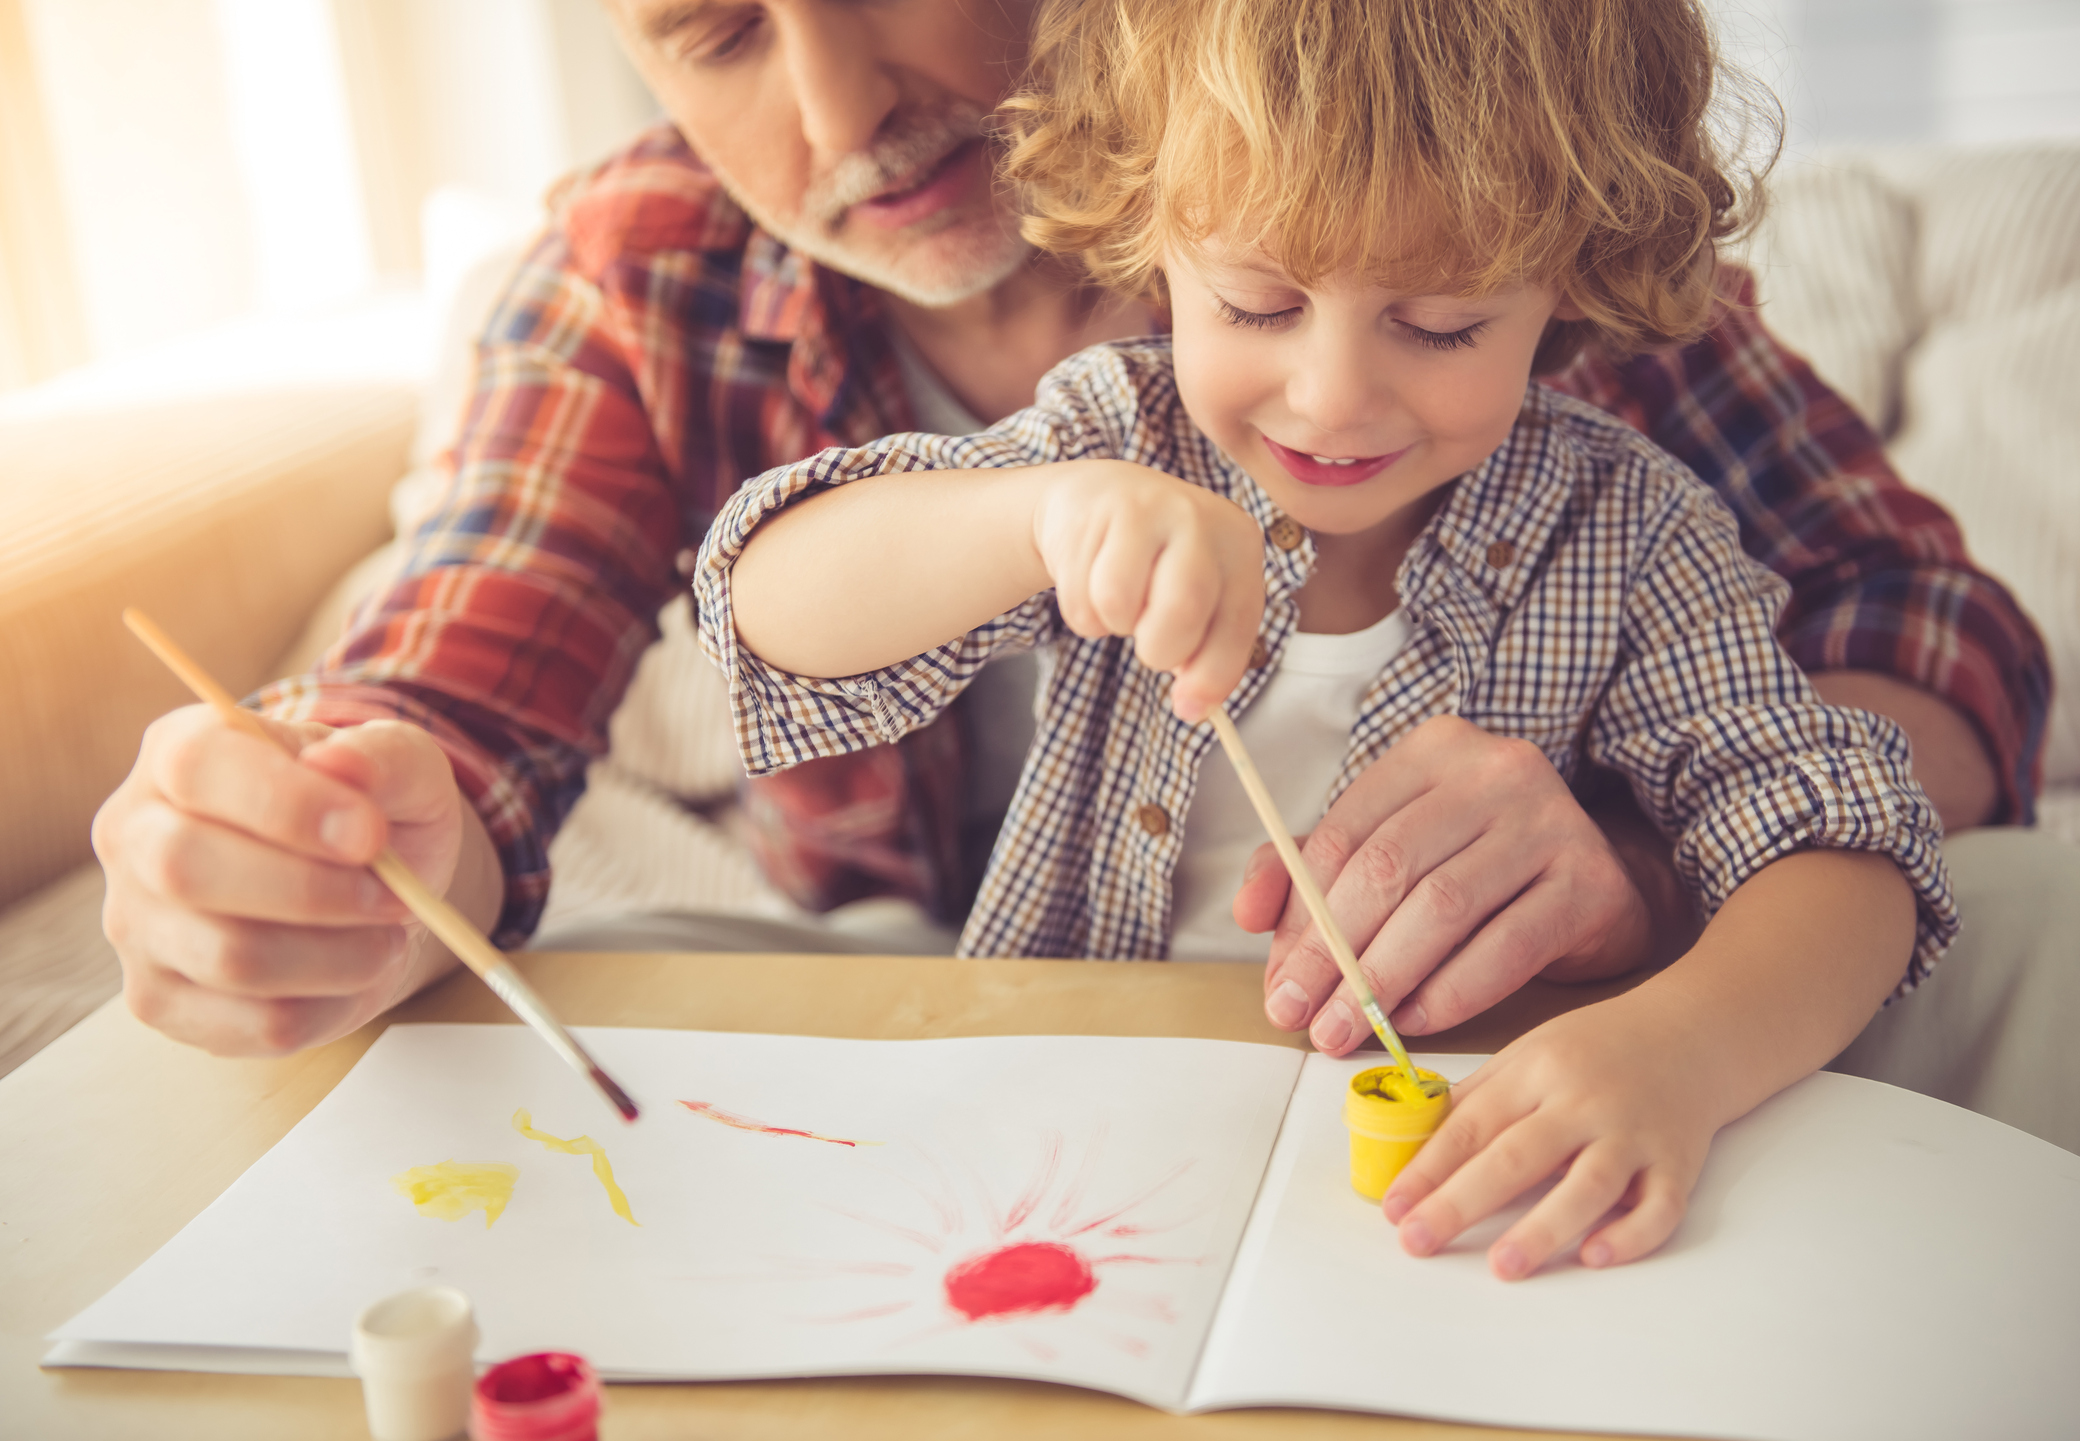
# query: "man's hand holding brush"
[[239, 898]]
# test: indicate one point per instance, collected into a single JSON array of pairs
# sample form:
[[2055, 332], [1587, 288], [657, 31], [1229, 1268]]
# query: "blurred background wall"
[[171, 165], [168, 165]]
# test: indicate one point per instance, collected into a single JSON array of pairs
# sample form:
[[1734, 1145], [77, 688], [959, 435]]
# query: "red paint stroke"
[[902, 1233], [745, 1123], [1019, 1280]]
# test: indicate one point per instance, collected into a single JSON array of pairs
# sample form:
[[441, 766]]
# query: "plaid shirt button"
[[1501, 553], [1259, 655], [1284, 532], [1154, 819]]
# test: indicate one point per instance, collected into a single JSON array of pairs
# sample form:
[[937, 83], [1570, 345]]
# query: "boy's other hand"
[[1134, 552], [1612, 1098], [1459, 866], [239, 898]]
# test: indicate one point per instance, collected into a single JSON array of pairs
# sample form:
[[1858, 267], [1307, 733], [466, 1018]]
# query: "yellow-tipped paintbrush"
[[1310, 894], [450, 925]]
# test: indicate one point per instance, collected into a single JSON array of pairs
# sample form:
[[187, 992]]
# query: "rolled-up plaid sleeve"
[[521, 602], [1729, 748]]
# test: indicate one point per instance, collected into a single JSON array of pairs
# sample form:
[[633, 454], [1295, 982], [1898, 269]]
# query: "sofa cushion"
[[1940, 291], [225, 518], [55, 965]]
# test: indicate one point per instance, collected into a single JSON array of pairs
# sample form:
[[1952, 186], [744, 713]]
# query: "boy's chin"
[[1358, 510]]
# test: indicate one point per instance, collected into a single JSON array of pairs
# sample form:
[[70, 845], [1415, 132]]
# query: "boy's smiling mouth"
[[1310, 469]]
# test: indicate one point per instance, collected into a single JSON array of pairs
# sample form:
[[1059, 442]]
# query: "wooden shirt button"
[[1154, 819], [1501, 553], [1259, 655], [1284, 532]]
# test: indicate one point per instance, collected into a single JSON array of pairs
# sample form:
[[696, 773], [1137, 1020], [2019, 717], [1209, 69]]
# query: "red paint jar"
[[549, 1396]]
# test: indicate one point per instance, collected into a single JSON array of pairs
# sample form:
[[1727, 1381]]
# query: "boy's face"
[[1348, 403]]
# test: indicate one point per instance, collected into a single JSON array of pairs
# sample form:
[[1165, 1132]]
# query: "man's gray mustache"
[[890, 163]]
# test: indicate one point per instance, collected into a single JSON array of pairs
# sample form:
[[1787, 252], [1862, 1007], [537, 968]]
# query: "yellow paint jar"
[[1389, 1119]]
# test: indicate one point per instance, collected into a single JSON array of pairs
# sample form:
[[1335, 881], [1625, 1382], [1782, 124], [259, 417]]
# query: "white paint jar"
[[414, 1353]]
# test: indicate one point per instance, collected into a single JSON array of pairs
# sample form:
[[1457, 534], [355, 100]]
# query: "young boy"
[[1331, 501]]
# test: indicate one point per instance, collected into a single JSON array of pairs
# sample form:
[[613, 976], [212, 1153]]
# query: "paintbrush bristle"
[[619, 1099]]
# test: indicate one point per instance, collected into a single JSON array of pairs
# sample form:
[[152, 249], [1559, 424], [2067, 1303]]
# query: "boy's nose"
[[841, 88], [1338, 395]]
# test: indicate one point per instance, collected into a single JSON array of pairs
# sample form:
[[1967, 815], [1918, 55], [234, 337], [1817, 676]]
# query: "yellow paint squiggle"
[[580, 1146], [453, 1189]]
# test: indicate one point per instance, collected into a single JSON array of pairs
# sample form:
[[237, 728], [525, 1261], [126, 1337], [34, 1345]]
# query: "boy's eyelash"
[[1445, 339], [1253, 319], [1434, 339]]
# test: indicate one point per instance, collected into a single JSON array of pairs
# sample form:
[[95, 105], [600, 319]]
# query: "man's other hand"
[[239, 895]]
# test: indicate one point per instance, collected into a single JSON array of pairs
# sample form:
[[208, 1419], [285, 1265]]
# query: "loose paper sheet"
[[1061, 1208], [1857, 1261]]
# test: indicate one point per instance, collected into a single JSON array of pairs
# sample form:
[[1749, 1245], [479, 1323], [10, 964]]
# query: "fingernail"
[[374, 898], [342, 832], [1411, 1018], [1332, 1029], [1287, 1006], [1596, 1253], [1395, 1207], [1508, 1261], [1416, 1238]]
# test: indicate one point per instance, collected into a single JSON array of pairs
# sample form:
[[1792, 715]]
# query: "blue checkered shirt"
[[1580, 589]]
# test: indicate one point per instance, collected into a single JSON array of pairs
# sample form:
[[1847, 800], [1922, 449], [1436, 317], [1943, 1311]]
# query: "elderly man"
[[814, 254]]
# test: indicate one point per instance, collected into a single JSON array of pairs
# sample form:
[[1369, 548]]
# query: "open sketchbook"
[[1166, 1219]]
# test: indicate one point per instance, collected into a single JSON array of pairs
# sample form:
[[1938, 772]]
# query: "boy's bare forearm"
[[880, 570], [1787, 973]]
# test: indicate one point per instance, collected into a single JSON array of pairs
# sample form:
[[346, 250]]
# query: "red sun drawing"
[[1019, 1278], [1073, 1256]]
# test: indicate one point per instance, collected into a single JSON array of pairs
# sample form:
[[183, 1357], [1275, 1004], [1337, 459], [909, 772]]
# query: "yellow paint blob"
[[1392, 1083], [1390, 1115], [580, 1146], [453, 1189]]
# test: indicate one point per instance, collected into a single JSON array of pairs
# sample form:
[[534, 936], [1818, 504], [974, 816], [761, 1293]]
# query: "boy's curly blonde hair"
[[1437, 146]]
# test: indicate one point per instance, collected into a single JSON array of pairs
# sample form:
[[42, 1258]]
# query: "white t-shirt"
[[1298, 732]]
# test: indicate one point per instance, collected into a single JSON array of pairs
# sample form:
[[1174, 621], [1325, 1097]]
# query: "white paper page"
[[1857, 1261], [1111, 1175]]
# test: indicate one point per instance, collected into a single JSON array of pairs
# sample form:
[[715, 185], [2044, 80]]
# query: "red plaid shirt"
[[656, 349]]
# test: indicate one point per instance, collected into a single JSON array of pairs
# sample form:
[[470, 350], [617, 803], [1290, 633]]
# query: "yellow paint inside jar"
[[1390, 1115]]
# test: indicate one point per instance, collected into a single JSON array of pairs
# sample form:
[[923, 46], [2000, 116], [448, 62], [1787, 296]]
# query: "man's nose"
[[841, 87]]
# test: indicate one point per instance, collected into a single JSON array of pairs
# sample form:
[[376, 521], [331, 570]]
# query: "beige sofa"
[[227, 519], [1940, 292]]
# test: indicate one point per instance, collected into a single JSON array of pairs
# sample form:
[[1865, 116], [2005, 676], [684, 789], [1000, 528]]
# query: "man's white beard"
[[977, 267]]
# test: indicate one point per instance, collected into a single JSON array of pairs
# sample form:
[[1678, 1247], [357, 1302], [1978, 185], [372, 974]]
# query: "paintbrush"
[[450, 925], [1310, 893]]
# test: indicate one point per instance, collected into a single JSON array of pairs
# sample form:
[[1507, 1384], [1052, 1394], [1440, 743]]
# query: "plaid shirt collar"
[[1503, 510], [831, 324]]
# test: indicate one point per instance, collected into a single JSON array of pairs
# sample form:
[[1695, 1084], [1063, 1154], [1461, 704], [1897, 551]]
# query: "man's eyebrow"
[[662, 24]]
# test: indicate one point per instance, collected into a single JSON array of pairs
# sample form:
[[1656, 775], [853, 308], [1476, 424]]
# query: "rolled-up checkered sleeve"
[[1086, 406], [784, 719], [1729, 748]]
